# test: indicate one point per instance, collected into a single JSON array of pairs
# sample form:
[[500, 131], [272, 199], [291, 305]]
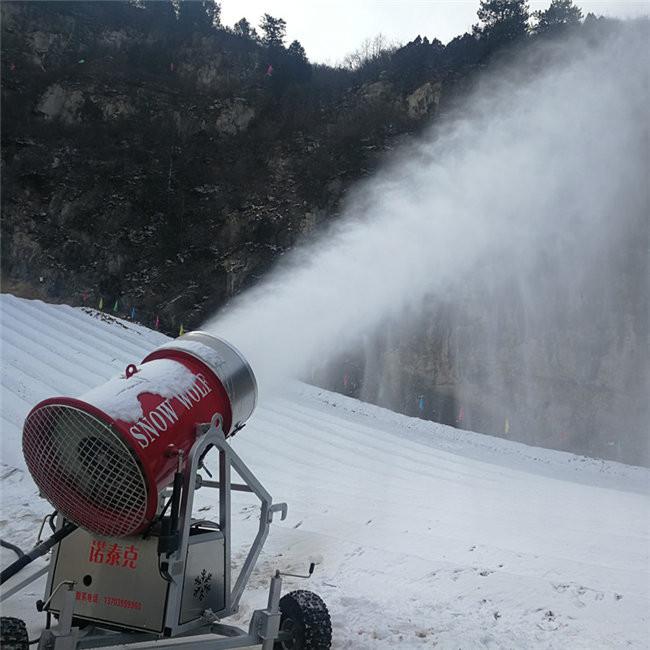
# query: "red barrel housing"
[[102, 459]]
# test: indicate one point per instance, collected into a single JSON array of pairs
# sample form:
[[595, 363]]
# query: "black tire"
[[13, 634], [305, 617]]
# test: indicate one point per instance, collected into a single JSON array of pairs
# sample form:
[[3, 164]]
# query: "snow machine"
[[129, 561]]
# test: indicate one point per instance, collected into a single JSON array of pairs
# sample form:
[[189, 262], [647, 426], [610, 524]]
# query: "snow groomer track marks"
[[424, 535]]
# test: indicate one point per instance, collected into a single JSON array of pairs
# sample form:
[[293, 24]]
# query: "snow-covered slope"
[[427, 536]]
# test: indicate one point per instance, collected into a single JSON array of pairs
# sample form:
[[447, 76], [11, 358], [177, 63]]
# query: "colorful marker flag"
[[506, 427], [115, 307], [133, 312], [181, 331], [157, 323], [101, 304]]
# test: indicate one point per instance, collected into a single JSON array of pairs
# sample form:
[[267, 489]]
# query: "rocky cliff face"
[[168, 171]]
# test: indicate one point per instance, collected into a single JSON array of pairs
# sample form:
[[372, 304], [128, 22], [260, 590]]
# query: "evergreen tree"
[[297, 51], [274, 30], [244, 29], [416, 62], [464, 50], [298, 66], [199, 15], [213, 9], [559, 15], [502, 21]]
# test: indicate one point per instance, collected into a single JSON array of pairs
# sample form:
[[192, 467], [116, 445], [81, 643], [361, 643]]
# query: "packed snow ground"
[[426, 536]]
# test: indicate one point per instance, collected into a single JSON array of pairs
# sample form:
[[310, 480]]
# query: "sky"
[[330, 29]]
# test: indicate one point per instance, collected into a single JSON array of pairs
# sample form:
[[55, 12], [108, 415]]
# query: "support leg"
[[272, 613]]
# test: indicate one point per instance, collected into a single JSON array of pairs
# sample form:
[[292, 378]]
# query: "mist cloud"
[[541, 175]]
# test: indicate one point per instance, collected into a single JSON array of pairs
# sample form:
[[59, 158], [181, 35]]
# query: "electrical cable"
[[12, 547]]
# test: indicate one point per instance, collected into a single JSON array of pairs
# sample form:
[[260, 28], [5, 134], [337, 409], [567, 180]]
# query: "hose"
[[12, 547], [37, 551]]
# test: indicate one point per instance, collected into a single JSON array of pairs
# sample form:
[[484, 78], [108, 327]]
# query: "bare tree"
[[370, 50]]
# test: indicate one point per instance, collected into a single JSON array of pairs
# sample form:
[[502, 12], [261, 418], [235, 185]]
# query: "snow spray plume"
[[545, 162]]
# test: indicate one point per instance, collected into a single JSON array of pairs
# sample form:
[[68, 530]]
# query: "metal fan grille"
[[83, 467]]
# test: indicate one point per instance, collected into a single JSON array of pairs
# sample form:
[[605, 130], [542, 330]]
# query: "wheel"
[[13, 634], [304, 622]]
